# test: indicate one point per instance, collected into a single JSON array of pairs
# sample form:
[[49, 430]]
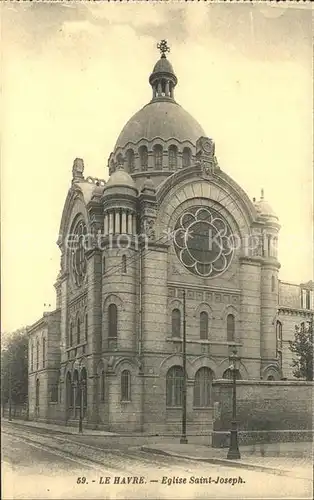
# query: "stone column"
[[117, 222], [134, 224], [106, 225], [110, 222], [124, 223]]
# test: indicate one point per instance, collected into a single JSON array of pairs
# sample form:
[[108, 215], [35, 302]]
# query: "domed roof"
[[163, 66], [120, 178], [264, 208], [165, 119]]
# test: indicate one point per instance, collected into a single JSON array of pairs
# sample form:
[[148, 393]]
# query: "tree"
[[302, 348], [14, 358]]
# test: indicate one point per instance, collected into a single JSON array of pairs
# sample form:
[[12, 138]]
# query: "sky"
[[74, 73]]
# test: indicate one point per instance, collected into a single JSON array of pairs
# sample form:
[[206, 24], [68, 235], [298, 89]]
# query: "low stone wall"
[[267, 411]]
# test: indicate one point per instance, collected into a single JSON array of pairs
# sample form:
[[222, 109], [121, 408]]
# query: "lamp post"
[[233, 452], [10, 391], [81, 405], [183, 439]]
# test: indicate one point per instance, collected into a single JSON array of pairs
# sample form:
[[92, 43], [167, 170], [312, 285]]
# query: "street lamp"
[[233, 452], [82, 388]]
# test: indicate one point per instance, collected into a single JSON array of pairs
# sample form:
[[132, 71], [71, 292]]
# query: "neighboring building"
[[168, 220]]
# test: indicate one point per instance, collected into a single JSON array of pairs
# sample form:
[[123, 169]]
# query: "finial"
[[77, 170], [163, 47], [262, 194]]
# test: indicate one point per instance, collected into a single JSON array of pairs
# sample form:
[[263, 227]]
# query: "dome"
[[120, 178], [163, 66], [164, 119], [264, 208]]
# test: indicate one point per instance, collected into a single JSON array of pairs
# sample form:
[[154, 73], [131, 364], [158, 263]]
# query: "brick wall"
[[264, 408]]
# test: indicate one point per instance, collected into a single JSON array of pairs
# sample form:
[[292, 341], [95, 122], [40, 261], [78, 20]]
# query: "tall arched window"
[[143, 157], [174, 386], [186, 157], [78, 330], [44, 352], [125, 386], [112, 321], [37, 355], [130, 160], [279, 336], [37, 392], [102, 386], [69, 391], [204, 325], [158, 157], [176, 323], [230, 328], [123, 264], [86, 326], [32, 356], [71, 333], [173, 157], [202, 387]]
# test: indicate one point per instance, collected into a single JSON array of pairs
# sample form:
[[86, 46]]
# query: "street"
[[45, 465]]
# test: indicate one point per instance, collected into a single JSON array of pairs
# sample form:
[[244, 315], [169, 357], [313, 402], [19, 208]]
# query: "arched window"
[[130, 160], [78, 331], [32, 356], [102, 386], [270, 377], [173, 157], [143, 157], [123, 264], [125, 386], [202, 387], [174, 386], [54, 393], [104, 265], [228, 374], [37, 392], [176, 323], [273, 283], [279, 335], [204, 325], [44, 352], [71, 333], [186, 157], [112, 321], [69, 391], [158, 157], [86, 326], [230, 328], [120, 159], [37, 355]]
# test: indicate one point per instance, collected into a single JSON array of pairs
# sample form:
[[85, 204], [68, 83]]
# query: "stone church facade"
[[167, 223]]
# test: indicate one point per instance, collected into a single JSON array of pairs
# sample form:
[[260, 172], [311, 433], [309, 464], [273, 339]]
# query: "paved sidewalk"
[[63, 429], [276, 458]]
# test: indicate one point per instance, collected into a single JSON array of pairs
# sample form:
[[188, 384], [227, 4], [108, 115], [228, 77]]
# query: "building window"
[[279, 335], [125, 386], [230, 328], [71, 333], [270, 377], [202, 387], [37, 355], [37, 392], [186, 157], [32, 356], [143, 157], [54, 394], [44, 352], [204, 325], [123, 264], [112, 321], [273, 283], [86, 326], [176, 323], [130, 160], [78, 331], [158, 157], [104, 265], [102, 386], [173, 157], [174, 386]]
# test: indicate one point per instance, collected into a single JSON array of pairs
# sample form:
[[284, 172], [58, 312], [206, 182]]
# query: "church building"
[[168, 242]]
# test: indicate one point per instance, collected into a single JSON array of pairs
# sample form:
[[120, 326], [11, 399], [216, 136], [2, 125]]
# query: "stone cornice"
[[207, 288], [291, 311]]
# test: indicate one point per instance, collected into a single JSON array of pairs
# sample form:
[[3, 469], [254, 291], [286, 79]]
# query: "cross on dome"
[[163, 47]]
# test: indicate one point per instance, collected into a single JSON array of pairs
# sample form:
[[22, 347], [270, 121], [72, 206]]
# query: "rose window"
[[78, 261], [203, 241]]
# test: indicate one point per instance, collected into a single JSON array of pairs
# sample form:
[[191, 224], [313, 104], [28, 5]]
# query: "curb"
[[221, 461], [65, 431]]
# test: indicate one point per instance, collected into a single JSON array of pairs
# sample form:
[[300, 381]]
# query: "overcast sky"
[[74, 73]]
